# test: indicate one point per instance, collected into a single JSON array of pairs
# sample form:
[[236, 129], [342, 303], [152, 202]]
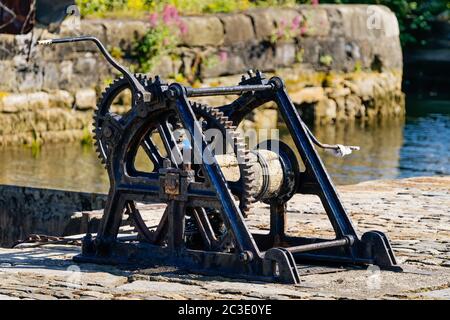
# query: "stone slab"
[[413, 212]]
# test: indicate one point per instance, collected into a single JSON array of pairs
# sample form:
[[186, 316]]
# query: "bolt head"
[[107, 132], [246, 256]]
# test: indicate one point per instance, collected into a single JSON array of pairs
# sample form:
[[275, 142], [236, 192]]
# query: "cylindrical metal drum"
[[275, 172]]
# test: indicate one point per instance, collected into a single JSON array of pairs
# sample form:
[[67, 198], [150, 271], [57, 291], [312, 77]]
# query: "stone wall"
[[25, 210], [336, 67]]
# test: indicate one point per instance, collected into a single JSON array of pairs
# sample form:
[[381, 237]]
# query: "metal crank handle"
[[138, 90], [337, 150]]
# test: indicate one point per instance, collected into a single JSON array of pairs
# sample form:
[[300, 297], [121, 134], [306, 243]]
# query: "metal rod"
[[339, 218], [319, 245], [217, 91], [311, 258], [324, 145], [136, 86]]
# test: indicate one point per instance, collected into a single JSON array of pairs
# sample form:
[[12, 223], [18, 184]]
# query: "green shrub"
[[160, 39]]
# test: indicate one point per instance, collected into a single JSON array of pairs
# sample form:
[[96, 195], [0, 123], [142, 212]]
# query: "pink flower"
[[303, 30], [296, 22], [153, 19], [223, 56], [170, 14], [281, 28], [183, 27], [314, 2]]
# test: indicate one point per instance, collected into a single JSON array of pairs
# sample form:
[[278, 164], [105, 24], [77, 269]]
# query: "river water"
[[416, 146]]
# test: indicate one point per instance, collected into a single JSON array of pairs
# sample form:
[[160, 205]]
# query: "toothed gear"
[[103, 108], [214, 119]]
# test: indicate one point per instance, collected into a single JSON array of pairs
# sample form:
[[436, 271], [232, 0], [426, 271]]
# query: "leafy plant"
[[358, 66], [326, 60], [86, 138], [35, 144], [90, 7], [166, 27], [287, 30], [300, 55]]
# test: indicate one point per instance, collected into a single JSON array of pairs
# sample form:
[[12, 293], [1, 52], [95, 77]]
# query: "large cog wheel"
[[213, 119], [104, 107]]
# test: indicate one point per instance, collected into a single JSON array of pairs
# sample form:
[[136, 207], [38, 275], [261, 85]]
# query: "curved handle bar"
[[138, 90]]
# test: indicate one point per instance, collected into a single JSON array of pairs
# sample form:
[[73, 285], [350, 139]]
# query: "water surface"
[[415, 146]]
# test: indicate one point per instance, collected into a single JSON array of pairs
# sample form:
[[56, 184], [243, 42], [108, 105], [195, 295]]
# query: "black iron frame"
[[257, 256], [271, 256]]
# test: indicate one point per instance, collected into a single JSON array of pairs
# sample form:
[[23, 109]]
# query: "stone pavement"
[[415, 213]]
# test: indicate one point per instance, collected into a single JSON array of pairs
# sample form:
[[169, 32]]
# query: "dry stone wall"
[[26, 210], [338, 67]]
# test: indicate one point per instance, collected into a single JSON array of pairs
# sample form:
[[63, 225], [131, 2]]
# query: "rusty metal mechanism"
[[203, 228]]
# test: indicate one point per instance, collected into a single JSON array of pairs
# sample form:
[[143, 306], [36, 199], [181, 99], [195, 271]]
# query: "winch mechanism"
[[210, 182]]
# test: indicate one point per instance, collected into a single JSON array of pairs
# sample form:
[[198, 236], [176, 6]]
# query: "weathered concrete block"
[[13, 103], [238, 28], [234, 64], [340, 108], [354, 107], [86, 64], [325, 111], [8, 45], [164, 67], [85, 99], [65, 74], [203, 31], [92, 28], [30, 80], [16, 102], [283, 16], [123, 34], [61, 99], [263, 23], [361, 21], [320, 112], [337, 92], [33, 210], [389, 22], [259, 55], [265, 118], [317, 24], [308, 95], [224, 62], [8, 73], [285, 54], [51, 76], [38, 100]]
